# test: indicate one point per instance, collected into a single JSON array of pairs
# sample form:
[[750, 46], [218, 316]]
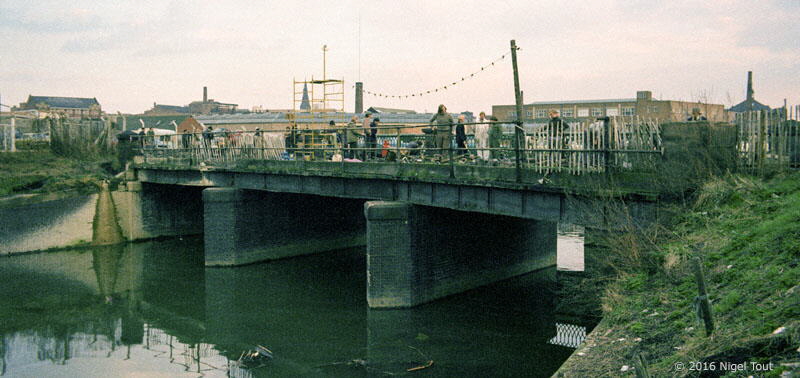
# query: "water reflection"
[[569, 335], [570, 247], [153, 309]]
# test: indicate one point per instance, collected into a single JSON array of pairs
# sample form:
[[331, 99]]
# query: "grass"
[[40, 171], [746, 232]]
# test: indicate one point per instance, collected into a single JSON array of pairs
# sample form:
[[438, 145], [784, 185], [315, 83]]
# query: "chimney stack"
[[359, 97], [749, 85], [205, 94]]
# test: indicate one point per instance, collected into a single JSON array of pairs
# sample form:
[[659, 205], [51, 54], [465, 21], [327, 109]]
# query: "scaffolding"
[[315, 104], [318, 97]]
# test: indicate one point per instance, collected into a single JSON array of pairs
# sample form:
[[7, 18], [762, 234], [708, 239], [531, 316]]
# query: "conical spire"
[[305, 105]]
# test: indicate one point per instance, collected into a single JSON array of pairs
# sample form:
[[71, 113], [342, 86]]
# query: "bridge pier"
[[146, 211], [246, 226], [416, 254]]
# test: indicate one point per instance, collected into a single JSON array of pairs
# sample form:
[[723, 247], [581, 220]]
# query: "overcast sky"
[[131, 54]]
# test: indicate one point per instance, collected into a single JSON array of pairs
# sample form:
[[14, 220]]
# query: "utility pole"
[[518, 134]]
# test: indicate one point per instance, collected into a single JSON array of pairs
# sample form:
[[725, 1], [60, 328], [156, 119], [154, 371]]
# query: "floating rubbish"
[[255, 358], [420, 367], [427, 365]]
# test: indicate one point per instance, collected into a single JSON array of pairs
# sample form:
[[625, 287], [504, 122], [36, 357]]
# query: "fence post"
[[13, 133], [702, 302], [450, 155], [518, 134], [607, 145], [762, 127]]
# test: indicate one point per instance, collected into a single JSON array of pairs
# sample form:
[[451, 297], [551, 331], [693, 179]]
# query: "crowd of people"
[[443, 139]]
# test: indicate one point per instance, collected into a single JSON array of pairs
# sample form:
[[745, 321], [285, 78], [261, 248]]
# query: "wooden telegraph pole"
[[518, 134]]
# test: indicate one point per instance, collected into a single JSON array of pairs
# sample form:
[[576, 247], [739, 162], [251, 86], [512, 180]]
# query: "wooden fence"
[[588, 147], [71, 137], [769, 138], [8, 136]]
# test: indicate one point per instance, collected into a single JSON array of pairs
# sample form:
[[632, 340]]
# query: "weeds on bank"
[[40, 171], [746, 231]]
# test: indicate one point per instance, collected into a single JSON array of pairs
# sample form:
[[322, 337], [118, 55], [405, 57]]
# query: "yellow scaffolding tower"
[[315, 103], [324, 102]]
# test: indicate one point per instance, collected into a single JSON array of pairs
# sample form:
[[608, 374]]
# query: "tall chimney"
[[205, 94], [359, 97], [749, 85]]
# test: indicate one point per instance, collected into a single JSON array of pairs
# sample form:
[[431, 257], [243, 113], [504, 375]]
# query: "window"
[[612, 112], [528, 113], [568, 113], [541, 113], [652, 109], [512, 113], [584, 112], [628, 111], [597, 112]]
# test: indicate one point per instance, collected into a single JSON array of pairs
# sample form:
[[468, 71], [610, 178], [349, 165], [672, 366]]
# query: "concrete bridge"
[[427, 236], [431, 229]]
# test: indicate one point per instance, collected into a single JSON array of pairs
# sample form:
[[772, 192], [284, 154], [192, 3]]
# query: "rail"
[[577, 148]]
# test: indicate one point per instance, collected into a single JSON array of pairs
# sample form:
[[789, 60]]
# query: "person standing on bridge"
[[366, 128], [351, 138], [482, 137], [461, 136], [442, 124], [495, 135], [373, 138], [558, 128]]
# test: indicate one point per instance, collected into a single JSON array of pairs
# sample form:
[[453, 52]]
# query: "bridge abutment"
[[146, 211], [416, 254], [246, 226]]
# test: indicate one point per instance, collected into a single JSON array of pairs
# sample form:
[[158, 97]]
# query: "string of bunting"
[[443, 87]]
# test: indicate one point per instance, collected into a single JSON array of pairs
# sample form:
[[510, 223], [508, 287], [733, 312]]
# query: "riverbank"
[[41, 171], [746, 232]]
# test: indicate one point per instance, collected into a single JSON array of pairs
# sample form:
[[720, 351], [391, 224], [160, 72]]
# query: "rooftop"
[[62, 102], [582, 101], [339, 117]]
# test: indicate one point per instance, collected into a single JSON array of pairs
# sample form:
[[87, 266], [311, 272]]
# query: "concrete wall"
[[41, 223], [147, 210], [416, 254], [245, 226]]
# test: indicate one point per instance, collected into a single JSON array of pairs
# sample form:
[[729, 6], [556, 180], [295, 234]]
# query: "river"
[[153, 309]]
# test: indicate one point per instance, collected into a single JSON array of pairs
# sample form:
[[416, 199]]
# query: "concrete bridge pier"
[[416, 254], [246, 226]]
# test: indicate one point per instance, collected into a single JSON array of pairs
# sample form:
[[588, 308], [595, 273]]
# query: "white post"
[[13, 133]]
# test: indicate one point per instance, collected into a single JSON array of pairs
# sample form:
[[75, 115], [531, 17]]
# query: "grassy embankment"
[[746, 232], [34, 169]]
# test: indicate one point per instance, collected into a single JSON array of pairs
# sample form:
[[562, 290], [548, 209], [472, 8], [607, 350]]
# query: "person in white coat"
[[482, 137]]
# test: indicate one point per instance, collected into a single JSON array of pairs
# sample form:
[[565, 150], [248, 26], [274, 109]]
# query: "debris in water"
[[427, 365], [255, 358]]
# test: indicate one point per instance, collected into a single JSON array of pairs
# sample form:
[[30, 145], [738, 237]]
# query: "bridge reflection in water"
[[154, 309]]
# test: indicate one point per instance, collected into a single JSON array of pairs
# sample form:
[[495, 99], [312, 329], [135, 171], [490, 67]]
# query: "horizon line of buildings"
[[643, 105]]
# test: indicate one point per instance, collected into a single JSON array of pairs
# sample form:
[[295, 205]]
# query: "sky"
[[130, 54]]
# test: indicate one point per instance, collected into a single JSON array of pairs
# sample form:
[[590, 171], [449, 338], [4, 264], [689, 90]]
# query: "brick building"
[[643, 106], [72, 107]]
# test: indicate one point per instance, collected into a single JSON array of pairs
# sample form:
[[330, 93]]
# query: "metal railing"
[[579, 148]]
